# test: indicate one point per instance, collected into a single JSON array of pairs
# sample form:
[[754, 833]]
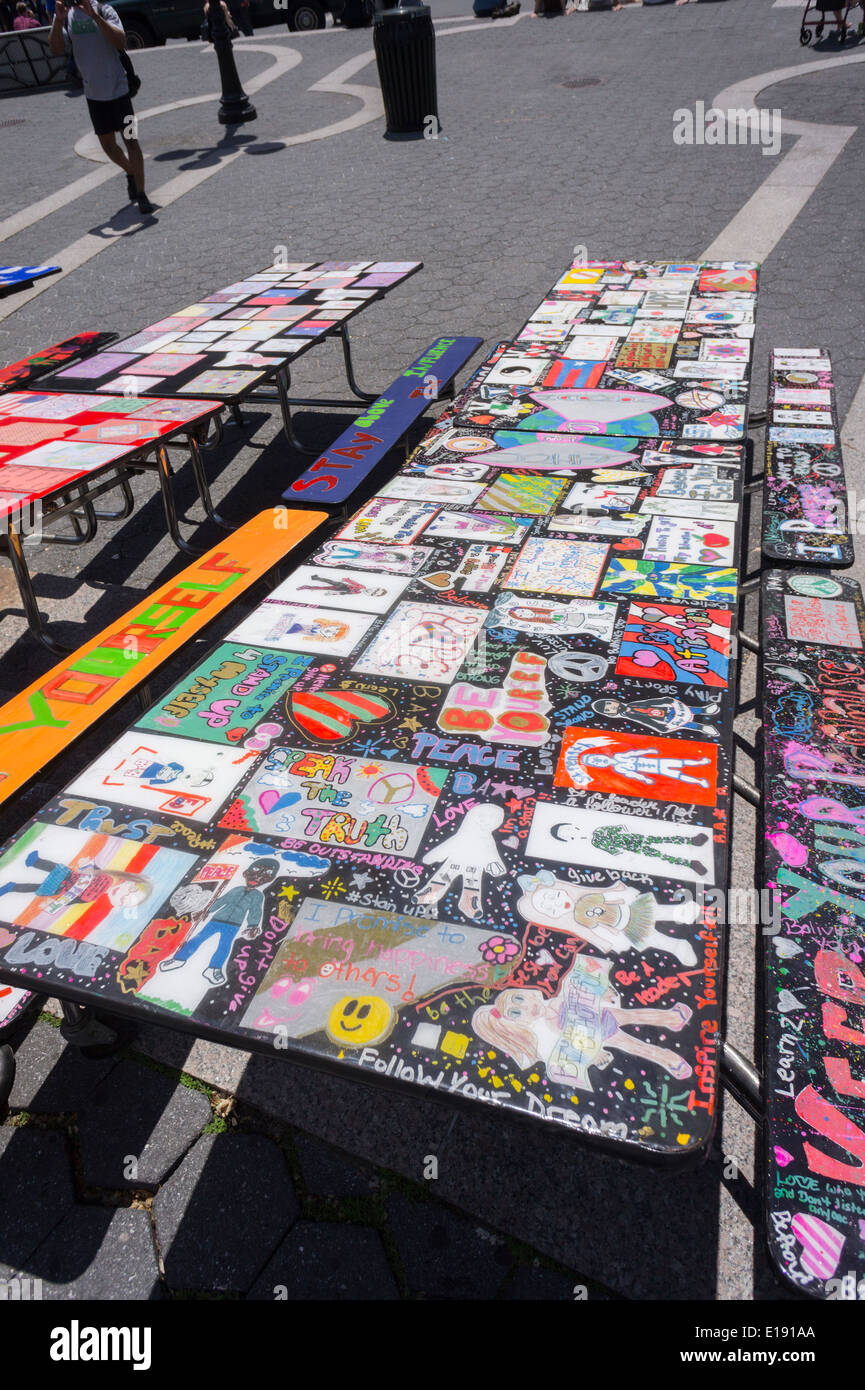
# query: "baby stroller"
[[819, 13]]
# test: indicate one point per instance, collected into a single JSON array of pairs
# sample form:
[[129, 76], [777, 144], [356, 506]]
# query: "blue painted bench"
[[337, 475]]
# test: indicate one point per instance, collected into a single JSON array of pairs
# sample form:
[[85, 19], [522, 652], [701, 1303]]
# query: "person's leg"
[[18, 888], [135, 159], [192, 943], [136, 168], [114, 152], [227, 933], [664, 1057]]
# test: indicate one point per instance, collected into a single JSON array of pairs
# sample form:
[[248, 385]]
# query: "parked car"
[[151, 22]]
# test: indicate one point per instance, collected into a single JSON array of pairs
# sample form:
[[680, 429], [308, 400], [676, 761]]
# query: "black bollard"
[[235, 107]]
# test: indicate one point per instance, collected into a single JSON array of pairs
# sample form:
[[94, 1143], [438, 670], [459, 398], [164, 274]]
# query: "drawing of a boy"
[[235, 913]]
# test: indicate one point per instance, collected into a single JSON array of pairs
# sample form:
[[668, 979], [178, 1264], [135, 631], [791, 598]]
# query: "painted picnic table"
[[232, 341], [59, 453], [624, 362], [444, 809], [50, 442]]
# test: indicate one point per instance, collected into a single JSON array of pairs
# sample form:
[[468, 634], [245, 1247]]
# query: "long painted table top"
[[232, 340], [49, 442], [444, 809], [633, 349], [814, 779]]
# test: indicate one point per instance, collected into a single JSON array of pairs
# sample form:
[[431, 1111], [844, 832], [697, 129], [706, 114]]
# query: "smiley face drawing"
[[360, 1020]]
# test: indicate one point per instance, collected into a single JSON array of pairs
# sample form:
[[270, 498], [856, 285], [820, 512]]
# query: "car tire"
[[139, 33], [305, 16]]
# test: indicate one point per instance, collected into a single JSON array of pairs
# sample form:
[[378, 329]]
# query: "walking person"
[[94, 34]]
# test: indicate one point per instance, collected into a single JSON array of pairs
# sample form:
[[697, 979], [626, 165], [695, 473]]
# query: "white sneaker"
[[215, 977]]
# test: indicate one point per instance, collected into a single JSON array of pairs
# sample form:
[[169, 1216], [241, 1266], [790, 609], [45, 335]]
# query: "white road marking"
[[853, 429], [758, 226]]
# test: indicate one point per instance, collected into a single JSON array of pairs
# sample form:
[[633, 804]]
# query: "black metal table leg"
[[203, 485], [283, 381], [7, 1078], [349, 367], [163, 469], [28, 597]]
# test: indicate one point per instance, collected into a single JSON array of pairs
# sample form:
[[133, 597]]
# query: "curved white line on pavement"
[[284, 60], [371, 105], [758, 226], [82, 250]]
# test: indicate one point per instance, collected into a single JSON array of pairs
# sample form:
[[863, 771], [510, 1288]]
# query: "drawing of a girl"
[[328, 631], [575, 1030]]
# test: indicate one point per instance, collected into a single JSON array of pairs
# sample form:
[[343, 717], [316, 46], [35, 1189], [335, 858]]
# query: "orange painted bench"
[[40, 723]]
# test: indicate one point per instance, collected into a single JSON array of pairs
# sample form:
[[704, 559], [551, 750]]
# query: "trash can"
[[404, 43]]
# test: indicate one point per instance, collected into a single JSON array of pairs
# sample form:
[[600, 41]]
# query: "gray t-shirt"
[[96, 59]]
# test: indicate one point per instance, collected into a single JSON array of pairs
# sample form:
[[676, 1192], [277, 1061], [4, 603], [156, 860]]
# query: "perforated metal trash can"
[[404, 43]]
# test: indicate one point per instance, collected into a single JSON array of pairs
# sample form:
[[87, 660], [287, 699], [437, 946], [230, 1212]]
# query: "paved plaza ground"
[[249, 1175]]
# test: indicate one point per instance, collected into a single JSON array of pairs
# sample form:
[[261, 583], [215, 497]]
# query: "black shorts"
[[109, 117]]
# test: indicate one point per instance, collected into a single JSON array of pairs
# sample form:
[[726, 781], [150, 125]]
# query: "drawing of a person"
[[238, 912], [668, 716], [163, 774], [616, 839], [635, 764], [468, 854], [82, 883], [613, 919], [549, 616], [489, 528], [326, 584], [322, 629], [575, 1030]]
